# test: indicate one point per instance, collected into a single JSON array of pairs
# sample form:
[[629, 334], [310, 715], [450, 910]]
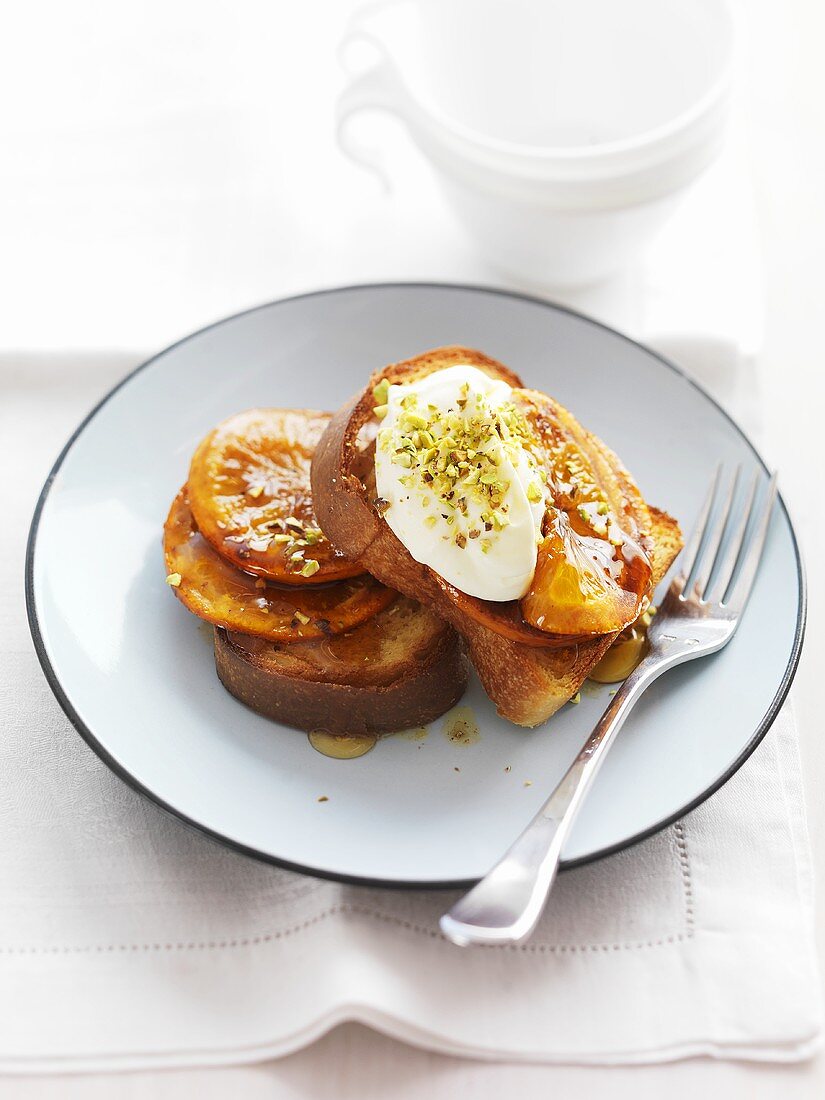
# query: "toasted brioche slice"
[[403, 668], [528, 682]]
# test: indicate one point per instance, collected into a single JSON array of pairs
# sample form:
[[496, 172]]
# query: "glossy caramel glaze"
[[250, 494], [625, 653], [341, 746], [216, 591], [461, 727]]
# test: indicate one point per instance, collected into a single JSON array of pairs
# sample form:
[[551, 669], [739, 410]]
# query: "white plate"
[[134, 670]]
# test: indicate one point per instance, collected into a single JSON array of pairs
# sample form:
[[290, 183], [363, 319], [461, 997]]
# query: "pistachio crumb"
[[174, 579], [381, 392], [528, 782], [311, 567], [255, 491], [301, 617]]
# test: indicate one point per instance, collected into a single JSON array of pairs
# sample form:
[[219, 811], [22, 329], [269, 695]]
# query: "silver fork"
[[698, 616]]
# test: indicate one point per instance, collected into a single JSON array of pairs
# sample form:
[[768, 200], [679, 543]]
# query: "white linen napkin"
[[128, 940]]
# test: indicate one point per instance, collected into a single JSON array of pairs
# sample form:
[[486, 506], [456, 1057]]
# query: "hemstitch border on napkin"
[[686, 933]]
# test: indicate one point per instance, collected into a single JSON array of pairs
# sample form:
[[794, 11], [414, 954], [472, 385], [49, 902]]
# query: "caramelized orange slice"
[[584, 584], [250, 495], [217, 592], [592, 575]]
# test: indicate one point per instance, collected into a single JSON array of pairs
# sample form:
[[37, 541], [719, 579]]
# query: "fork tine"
[[687, 558], [753, 552], [714, 539], [732, 551]]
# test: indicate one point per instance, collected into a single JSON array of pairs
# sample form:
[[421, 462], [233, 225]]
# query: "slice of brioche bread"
[[403, 668], [527, 683]]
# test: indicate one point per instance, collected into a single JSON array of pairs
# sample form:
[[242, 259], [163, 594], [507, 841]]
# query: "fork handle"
[[506, 904]]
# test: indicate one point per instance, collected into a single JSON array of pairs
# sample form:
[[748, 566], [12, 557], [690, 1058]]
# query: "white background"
[[164, 164]]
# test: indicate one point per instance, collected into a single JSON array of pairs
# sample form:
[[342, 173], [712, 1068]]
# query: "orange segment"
[[250, 495], [217, 592], [584, 584], [592, 573]]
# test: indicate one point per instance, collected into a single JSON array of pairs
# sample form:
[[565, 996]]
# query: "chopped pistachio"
[[534, 493], [174, 579], [430, 521], [311, 567], [255, 491], [381, 392], [381, 411], [301, 617]]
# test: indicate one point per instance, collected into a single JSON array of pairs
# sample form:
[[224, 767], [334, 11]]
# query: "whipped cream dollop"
[[458, 484]]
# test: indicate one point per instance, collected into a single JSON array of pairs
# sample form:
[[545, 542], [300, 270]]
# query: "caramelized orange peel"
[[250, 495]]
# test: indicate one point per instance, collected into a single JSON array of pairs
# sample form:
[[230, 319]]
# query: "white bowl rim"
[[713, 99]]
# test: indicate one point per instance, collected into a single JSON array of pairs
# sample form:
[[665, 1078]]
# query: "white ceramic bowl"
[[562, 134]]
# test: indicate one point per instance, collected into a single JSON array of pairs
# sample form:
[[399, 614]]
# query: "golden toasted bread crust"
[[526, 683], [415, 669]]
